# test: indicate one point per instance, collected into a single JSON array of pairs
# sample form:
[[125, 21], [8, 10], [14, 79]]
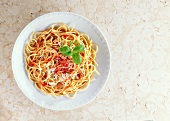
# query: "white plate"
[[61, 103]]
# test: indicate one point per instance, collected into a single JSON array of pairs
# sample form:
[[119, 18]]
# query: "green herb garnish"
[[68, 54], [64, 49], [77, 59], [78, 48], [71, 42]]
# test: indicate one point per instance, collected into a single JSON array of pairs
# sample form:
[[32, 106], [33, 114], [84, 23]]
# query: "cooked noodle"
[[50, 70]]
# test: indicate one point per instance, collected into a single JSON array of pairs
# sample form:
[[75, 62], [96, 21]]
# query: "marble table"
[[138, 33]]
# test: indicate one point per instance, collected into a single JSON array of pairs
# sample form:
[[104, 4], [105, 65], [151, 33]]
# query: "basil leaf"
[[64, 49], [77, 59], [68, 53], [71, 42], [79, 48]]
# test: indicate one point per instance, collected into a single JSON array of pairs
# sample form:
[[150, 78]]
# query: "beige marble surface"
[[138, 33]]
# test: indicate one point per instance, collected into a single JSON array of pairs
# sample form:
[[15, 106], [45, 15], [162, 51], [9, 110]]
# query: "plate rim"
[[41, 16]]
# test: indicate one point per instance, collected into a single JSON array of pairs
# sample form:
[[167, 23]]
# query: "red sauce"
[[49, 59], [43, 84], [63, 65], [39, 42], [31, 63], [69, 37]]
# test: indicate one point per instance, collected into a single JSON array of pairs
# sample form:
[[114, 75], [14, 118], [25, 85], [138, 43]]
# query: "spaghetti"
[[50, 70]]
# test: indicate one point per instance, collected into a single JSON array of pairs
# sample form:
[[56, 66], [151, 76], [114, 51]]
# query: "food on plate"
[[60, 60]]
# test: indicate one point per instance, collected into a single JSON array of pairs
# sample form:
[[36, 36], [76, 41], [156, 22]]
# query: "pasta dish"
[[60, 60]]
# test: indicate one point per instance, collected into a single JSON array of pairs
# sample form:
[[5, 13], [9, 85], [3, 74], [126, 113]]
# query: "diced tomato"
[[56, 71], [64, 36], [71, 70], [31, 63], [64, 70], [64, 63], [43, 84]]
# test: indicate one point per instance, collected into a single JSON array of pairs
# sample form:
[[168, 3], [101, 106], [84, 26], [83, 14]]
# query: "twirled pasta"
[[51, 71]]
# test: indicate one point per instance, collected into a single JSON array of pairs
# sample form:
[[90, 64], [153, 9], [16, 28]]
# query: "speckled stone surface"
[[138, 33]]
